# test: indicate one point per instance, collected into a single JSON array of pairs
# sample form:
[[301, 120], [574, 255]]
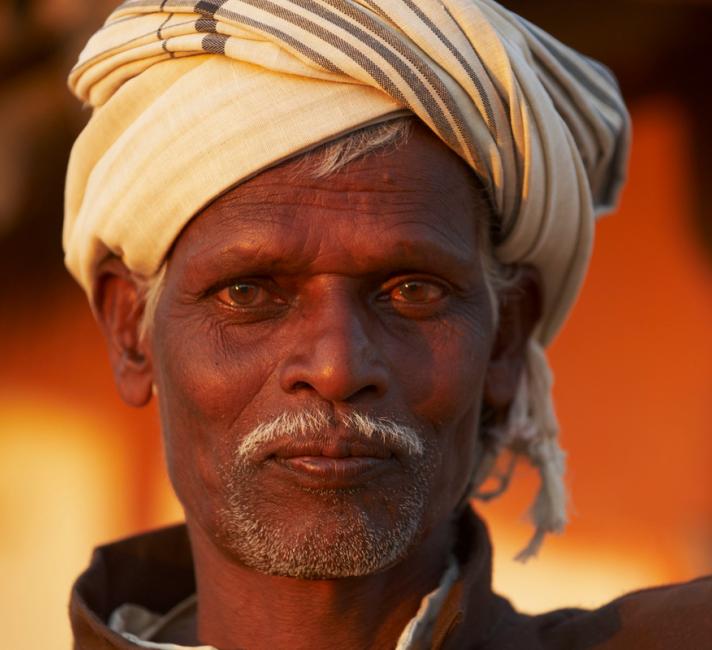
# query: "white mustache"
[[294, 424]]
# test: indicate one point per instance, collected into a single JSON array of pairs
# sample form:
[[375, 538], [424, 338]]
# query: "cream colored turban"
[[191, 97]]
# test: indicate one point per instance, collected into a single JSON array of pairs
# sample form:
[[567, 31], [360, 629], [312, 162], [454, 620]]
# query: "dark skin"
[[361, 291]]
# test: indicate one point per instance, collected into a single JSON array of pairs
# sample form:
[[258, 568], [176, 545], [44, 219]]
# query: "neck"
[[242, 608]]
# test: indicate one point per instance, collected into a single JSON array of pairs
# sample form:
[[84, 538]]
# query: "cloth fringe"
[[532, 431]]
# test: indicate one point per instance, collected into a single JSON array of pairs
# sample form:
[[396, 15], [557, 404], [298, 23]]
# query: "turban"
[[191, 97]]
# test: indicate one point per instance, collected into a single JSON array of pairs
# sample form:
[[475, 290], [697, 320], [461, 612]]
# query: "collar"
[[155, 571]]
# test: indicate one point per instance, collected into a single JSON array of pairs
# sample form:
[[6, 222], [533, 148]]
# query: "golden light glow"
[[54, 480], [633, 370]]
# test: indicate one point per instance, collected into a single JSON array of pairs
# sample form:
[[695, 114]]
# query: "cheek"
[[445, 386], [445, 372], [206, 381]]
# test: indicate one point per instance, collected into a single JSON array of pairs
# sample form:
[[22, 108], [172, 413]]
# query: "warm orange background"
[[633, 365], [633, 385]]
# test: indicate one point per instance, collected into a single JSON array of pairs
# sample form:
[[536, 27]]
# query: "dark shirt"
[[155, 570]]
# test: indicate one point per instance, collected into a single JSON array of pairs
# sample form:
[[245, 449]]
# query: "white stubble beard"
[[347, 540]]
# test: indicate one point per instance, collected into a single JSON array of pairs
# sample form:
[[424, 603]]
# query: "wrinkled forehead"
[[186, 107], [411, 202]]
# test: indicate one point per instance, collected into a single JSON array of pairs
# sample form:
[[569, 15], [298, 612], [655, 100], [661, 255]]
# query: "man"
[[333, 238]]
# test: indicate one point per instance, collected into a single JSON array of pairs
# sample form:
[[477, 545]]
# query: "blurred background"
[[633, 366]]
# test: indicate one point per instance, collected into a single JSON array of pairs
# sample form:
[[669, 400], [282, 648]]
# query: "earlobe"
[[119, 310], [519, 312]]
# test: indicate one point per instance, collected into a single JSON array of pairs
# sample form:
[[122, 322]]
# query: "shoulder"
[[672, 617]]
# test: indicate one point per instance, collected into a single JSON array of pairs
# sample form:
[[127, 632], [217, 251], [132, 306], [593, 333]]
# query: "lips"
[[334, 448], [334, 472], [338, 463]]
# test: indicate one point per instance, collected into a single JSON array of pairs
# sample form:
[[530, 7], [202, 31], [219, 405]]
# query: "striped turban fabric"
[[191, 97]]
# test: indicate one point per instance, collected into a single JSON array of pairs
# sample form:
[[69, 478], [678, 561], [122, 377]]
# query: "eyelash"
[[260, 283], [402, 281], [383, 295]]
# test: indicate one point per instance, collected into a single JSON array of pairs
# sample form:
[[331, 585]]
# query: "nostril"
[[366, 391], [300, 385]]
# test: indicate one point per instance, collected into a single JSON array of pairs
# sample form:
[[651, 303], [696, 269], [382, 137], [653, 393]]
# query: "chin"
[[324, 534]]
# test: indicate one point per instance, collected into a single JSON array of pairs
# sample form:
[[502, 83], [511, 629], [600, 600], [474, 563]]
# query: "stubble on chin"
[[323, 534]]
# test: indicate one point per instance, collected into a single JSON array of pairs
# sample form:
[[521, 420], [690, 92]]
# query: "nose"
[[334, 356]]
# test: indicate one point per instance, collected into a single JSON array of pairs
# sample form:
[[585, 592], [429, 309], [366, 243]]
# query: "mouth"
[[333, 472], [339, 464]]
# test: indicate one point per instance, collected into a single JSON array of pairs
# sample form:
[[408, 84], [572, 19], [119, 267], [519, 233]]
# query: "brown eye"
[[417, 292], [243, 294]]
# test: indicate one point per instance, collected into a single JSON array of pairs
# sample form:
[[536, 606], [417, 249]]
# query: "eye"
[[417, 292], [246, 294]]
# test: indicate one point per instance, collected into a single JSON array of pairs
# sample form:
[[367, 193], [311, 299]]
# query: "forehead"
[[418, 200]]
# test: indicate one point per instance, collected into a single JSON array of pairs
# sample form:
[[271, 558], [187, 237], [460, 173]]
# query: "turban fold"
[[191, 97]]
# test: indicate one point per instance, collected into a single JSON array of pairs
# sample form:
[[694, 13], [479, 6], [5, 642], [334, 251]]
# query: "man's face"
[[303, 305]]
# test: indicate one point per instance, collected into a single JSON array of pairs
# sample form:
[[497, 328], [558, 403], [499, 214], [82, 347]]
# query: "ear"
[[119, 309], [519, 312]]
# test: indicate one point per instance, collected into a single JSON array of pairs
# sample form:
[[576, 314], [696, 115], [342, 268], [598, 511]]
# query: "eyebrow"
[[263, 258]]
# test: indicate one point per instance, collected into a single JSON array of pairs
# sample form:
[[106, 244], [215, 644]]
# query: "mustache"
[[314, 424]]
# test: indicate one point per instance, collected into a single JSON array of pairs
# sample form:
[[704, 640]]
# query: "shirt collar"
[[155, 572]]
